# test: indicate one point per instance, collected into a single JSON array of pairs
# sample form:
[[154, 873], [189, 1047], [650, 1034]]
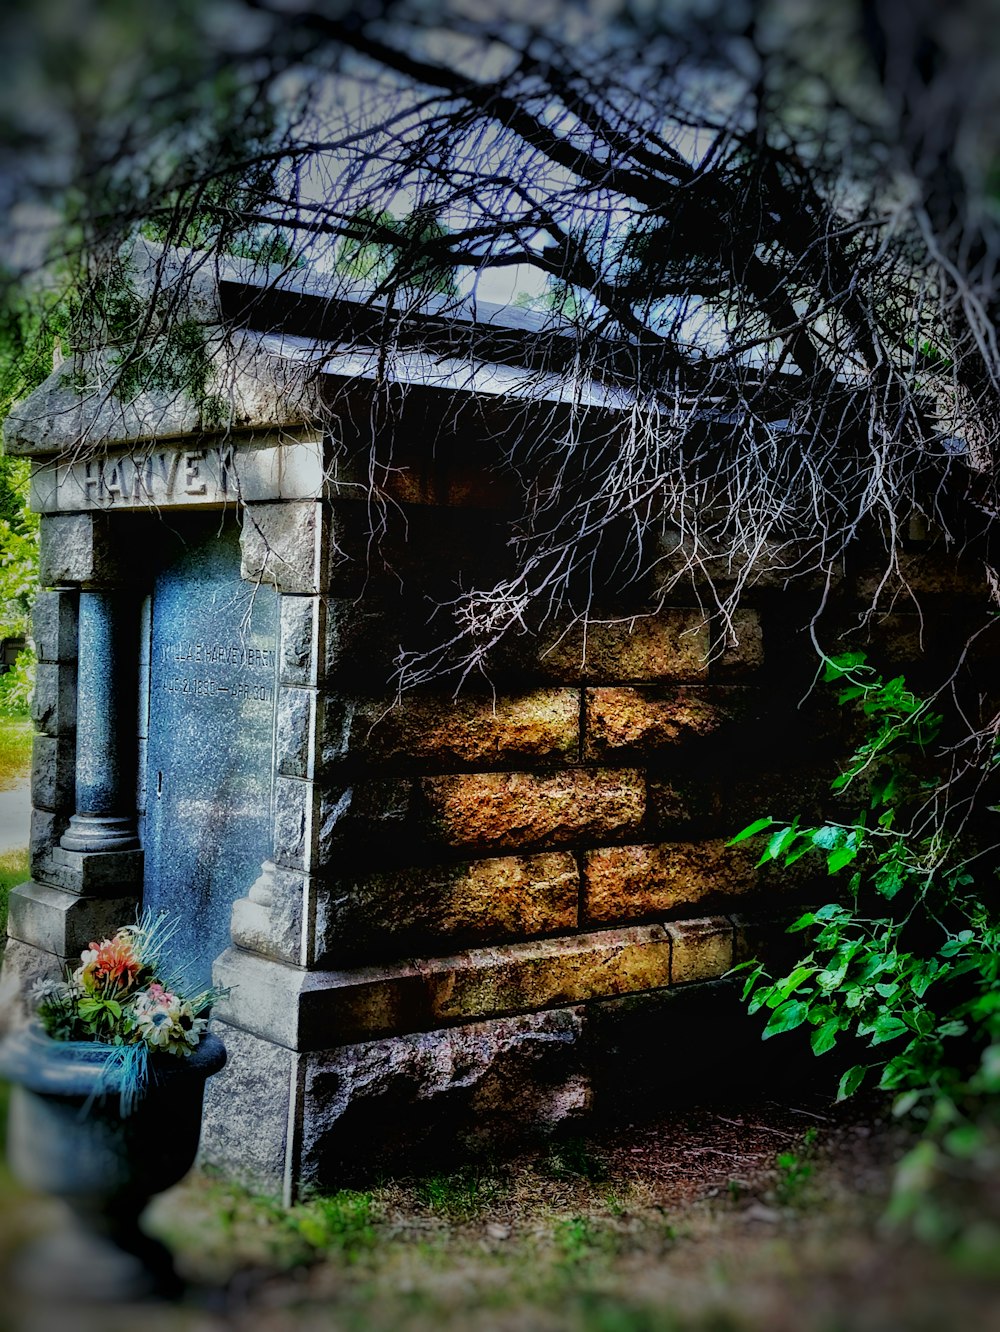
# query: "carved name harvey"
[[159, 475], [245, 658]]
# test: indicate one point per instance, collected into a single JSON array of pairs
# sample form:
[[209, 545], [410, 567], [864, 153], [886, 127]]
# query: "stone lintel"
[[189, 473], [62, 922], [313, 1010]]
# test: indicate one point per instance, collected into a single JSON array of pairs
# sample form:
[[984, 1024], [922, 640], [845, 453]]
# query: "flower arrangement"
[[126, 996]]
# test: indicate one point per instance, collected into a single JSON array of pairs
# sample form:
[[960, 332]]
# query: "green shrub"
[[905, 963]]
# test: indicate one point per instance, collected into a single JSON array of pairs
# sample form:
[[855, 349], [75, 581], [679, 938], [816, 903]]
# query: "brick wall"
[[595, 783]]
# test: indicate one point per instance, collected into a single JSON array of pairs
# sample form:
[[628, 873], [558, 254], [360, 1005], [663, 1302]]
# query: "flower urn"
[[71, 1134]]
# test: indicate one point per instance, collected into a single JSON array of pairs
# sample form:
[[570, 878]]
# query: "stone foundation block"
[[702, 949], [638, 721], [54, 626], [540, 726], [63, 923], [411, 909], [632, 882], [428, 1096], [53, 772], [673, 645], [514, 809], [23, 965], [248, 1105], [53, 704], [282, 544]]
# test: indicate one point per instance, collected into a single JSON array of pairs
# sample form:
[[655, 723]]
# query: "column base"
[[100, 832]]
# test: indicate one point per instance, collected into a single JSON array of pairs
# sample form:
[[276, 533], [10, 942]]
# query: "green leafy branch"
[[905, 964]]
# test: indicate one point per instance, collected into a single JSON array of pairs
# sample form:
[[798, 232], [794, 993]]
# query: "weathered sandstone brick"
[[681, 802], [366, 817], [476, 901], [742, 647], [938, 573], [554, 972], [702, 949], [629, 882], [527, 809], [673, 645], [773, 564], [636, 720], [541, 725]]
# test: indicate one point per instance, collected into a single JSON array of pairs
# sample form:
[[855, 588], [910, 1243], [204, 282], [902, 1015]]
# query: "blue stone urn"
[[67, 1136]]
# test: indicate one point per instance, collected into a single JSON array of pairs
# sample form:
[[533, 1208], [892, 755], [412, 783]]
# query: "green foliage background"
[[904, 963]]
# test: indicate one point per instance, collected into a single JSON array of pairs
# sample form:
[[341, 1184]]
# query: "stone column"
[[86, 879], [105, 725]]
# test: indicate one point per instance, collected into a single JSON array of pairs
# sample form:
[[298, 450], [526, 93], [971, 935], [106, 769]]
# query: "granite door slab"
[[209, 766]]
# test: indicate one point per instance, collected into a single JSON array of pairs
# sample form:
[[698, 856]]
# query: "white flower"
[[166, 1022]]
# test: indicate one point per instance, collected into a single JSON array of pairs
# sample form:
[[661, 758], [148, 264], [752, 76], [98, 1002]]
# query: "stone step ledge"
[[314, 1010]]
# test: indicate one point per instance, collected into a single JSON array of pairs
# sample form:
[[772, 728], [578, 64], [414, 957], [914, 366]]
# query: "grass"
[[13, 870], [16, 734], [580, 1238], [532, 1245]]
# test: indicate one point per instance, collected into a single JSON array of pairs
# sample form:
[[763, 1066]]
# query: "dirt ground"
[[767, 1218]]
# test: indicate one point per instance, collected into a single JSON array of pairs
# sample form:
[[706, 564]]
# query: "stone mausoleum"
[[438, 913]]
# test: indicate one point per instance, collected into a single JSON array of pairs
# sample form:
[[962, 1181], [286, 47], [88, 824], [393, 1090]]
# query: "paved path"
[[15, 816]]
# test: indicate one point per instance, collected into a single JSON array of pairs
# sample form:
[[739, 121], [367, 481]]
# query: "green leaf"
[[751, 830], [779, 842], [837, 667], [956, 945], [851, 1081], [831, 911], [802, 923], [836, 860], [787, 1017], [790, 983], [888, 1028], [827, 837], [825, 1038]]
